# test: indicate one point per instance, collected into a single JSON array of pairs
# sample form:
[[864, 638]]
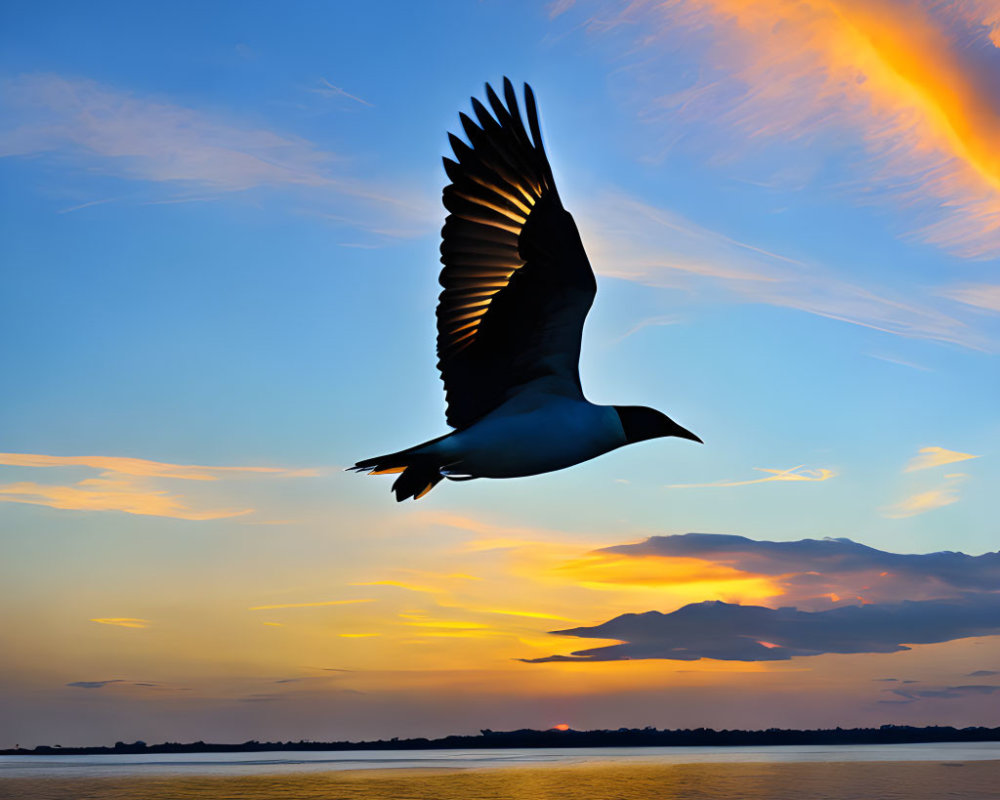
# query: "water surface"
[[809, 772]]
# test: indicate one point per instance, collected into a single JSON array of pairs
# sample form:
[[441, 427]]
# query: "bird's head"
[[641, 423]]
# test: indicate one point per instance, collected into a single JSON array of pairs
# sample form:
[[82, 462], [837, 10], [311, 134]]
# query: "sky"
[[219, 228]]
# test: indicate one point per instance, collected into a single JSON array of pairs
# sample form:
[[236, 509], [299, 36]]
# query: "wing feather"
[[517, 282]]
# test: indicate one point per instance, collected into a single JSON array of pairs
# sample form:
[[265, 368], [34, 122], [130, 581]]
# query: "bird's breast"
[[558, 435]]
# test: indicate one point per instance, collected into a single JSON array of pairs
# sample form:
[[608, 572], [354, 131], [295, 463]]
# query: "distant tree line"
[[526, 738]]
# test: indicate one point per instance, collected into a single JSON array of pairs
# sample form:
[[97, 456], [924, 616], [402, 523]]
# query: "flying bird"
[[517, 289]]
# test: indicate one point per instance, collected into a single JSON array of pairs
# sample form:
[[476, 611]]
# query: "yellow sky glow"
[[314, 604]]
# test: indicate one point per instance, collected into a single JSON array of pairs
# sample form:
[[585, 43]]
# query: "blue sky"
[[220, 227]]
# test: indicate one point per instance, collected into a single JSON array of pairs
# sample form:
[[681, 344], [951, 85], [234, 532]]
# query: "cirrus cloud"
[[127, 485], [913, 82], [122, 622], [929, 457], [197, 154], [927, 500], [149, 139], [792, 474]]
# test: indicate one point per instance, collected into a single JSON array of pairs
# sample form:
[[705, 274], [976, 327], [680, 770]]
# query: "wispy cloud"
[[929, 457], [899, 362], [942, 693], [794, 474], [123, 622], [327, 89], [928, 500], [114, 682], [126, 485], [650, 322], [431, 588], [151, 140], [143, 467], [632, 240], [986, 296], [81, 206], [313, 604], [914, 81], [107, 494], [120, 683], [197, 154], [94, 684], [558, 7]]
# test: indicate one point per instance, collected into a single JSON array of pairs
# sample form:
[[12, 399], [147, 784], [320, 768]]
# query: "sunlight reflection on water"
[[858, 780], [292, 761]]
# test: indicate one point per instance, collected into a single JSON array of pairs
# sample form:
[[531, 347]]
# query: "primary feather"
[[517, 282]]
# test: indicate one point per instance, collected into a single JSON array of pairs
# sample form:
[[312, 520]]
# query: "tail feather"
[[415, 482], [418, 473]]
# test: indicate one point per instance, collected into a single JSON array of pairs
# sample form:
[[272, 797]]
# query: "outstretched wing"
[[517, 282]]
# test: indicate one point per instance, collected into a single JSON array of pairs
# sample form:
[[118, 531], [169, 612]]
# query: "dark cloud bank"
[[729, 632], [959, 597], [823, 563]]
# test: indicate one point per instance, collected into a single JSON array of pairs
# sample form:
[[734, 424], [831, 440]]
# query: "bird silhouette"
[[517, 289]]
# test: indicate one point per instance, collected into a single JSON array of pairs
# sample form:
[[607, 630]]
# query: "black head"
[[641, 423]]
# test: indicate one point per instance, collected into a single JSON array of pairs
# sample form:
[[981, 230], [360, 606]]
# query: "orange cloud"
[[907, 76], [126, 485], [791, 474], [142, 467], [100, 494]]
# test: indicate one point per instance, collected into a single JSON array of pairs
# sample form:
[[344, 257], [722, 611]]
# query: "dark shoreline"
[[521, 739]]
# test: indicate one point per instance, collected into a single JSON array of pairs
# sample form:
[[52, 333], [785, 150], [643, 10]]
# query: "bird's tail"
[[418, 472]]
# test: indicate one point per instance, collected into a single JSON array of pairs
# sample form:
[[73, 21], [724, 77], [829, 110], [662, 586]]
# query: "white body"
[[530, 434]]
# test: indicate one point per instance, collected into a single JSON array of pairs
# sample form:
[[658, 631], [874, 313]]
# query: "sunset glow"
[[223, 234]]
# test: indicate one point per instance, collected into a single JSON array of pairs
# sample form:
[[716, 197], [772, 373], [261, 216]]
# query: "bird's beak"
[[684, 433]]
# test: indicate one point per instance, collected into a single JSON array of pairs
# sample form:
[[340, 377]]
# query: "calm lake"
[[851, 772]]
